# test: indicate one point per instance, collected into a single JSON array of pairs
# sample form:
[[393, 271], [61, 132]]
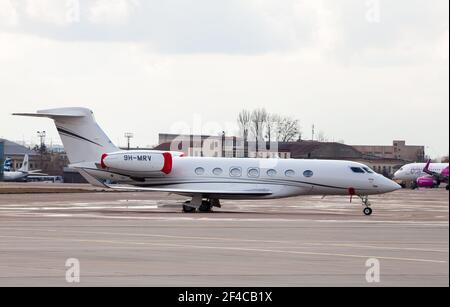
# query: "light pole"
[[129, 136], [42, 135]]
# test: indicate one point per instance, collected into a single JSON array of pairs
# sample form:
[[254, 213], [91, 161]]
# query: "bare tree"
[[258, 123], [244, 121], [272, 122], [288, 129]]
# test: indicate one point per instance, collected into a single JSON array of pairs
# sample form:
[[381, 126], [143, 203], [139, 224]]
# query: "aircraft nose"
[[390, 186], [397, 173]]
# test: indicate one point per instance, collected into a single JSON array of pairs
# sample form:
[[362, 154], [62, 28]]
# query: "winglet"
[[91, 179]]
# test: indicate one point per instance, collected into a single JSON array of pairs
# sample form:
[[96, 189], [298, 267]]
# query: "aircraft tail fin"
[[427, 166], [82, 137], [25, 165]]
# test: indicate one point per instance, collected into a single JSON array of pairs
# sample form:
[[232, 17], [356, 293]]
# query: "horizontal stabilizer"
[[51, 115], [82, 137]]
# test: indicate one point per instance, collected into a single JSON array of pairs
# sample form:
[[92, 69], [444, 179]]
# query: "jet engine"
[[138, 163], [426, 182]]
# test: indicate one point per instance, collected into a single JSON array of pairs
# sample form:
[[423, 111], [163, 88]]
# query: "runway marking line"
[[331, 243], [222, 219], [230, 249]]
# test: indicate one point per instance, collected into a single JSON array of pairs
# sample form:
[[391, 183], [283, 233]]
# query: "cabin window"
[[308, 173], [357, 170], [236, 172], [217, 171], [200, 171], [290, 173], [271, 173], [253, 172]]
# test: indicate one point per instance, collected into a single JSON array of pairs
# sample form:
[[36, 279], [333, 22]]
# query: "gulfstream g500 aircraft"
[[206, 180]]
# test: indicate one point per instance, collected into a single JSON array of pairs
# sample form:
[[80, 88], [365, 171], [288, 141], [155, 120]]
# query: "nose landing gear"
[[366, 203], [368, 211]]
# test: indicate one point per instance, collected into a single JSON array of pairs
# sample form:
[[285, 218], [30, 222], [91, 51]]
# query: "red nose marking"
[[168, 163], [102, 161], [351, 192]]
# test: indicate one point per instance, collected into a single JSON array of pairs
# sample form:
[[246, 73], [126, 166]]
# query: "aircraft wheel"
[[368, 211], [187, 208], [206, 207]]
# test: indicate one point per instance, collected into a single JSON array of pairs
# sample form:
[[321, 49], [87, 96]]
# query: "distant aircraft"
[[206, 180], [424, 175], [433, 178], [21, 174], [7, 165]]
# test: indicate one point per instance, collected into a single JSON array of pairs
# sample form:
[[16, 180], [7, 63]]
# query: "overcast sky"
[[364, 71]]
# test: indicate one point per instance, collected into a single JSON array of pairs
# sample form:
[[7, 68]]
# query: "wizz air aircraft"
[[424, 175], [21, 174], [206, 180]]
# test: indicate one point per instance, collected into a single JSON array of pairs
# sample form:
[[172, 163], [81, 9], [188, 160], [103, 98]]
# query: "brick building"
[[397, 151]]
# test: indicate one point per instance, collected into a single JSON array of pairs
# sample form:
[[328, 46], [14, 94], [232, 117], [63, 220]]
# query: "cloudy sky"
[[365, 71]]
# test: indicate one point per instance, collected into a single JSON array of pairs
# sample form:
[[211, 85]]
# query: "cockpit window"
[[368, 170], [357, 170]]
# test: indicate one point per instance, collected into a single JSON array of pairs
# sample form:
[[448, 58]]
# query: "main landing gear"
[[366, 203], [187, 208], [205, 206]]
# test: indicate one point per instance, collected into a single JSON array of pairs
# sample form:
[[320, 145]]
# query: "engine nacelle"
[[138, 162], [426, 182]]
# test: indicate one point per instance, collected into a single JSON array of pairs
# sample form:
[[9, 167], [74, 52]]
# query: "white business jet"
[[206, 180]]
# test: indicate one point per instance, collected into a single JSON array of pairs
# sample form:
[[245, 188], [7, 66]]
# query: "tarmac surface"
[[142, 239]]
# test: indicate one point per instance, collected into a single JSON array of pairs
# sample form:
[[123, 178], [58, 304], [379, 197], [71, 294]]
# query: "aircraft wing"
[[37, 173], [254, 192]]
